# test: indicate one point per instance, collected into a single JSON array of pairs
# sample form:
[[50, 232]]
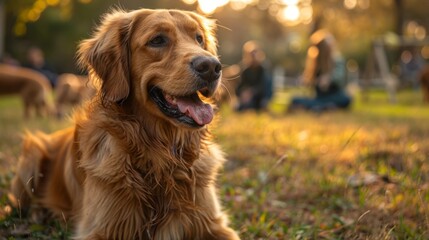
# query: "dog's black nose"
[[207, 68]]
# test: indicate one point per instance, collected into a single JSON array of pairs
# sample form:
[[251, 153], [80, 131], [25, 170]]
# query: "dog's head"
[[162, 61]]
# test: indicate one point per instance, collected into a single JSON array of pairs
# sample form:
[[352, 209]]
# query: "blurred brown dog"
[[424, 83], [71, 90], [139, 163], [33, 87]]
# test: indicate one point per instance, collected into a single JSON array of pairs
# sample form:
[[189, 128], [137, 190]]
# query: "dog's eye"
[[158, 41], [199, 39]]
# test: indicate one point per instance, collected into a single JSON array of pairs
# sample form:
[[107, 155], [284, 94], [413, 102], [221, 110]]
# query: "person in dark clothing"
[[253, 87], [36, 61], [325, 73]]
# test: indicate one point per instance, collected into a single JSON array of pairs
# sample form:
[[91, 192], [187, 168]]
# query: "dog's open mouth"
[[190, 109]]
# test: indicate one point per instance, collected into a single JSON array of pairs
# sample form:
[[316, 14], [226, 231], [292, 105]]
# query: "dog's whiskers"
[[227, 91]]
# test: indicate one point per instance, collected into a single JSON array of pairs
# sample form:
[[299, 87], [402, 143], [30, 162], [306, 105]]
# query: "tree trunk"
[[399, 17], [2, 27]]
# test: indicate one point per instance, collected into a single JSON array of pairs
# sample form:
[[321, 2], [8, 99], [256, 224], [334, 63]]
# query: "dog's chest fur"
[[151, 183]]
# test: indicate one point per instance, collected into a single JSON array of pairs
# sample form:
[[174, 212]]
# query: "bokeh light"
[[189, 1], [425, 52], [33, 13], [350, 4], [363, 4], [415, 30], [313, 52], [306, 14], [207, 6], [406, 57], [287, 12], [238, 5], [420, 33], [40, 5], [290, 2], [20, 29], [291, 13], [352, 65]]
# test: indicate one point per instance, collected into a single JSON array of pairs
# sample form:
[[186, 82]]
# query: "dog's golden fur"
[[126, 170], [33, 87], [47, 175]]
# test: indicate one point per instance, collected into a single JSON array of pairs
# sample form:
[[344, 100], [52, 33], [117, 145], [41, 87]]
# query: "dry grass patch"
[[360, 174]]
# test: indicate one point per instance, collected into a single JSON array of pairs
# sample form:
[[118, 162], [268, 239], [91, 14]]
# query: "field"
[[356, 174]]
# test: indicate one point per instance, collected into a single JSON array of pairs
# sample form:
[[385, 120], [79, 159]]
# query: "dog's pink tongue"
[[193, 107]]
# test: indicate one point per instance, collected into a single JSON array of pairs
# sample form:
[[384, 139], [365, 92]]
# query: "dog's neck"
[[168, 143], [181, 144]]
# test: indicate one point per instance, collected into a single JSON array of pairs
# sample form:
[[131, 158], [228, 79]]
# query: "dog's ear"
[[106, 56], [210, 32]]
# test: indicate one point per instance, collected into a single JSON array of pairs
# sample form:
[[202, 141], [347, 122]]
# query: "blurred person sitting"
[[411, 64], [325, 73], [36, 61], [254, 90]]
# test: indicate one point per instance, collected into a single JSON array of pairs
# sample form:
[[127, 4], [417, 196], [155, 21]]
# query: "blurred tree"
[[238, 27], [58, 25], [2, 26], [42, 23], [399, 17]]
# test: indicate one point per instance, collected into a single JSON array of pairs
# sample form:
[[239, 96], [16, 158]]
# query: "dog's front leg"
[[217, 223], [221, 232]]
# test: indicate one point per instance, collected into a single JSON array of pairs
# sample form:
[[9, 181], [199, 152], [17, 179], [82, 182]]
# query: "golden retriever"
[[33, 87], [71, 90], [139, 162]]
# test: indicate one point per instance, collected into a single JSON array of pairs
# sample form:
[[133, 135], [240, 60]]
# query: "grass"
[[357, 174]]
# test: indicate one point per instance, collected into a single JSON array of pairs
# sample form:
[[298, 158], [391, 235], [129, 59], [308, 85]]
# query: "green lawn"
[[356, 174]]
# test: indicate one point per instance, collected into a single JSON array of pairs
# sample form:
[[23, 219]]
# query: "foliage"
[[358, 174], [61, 25]]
